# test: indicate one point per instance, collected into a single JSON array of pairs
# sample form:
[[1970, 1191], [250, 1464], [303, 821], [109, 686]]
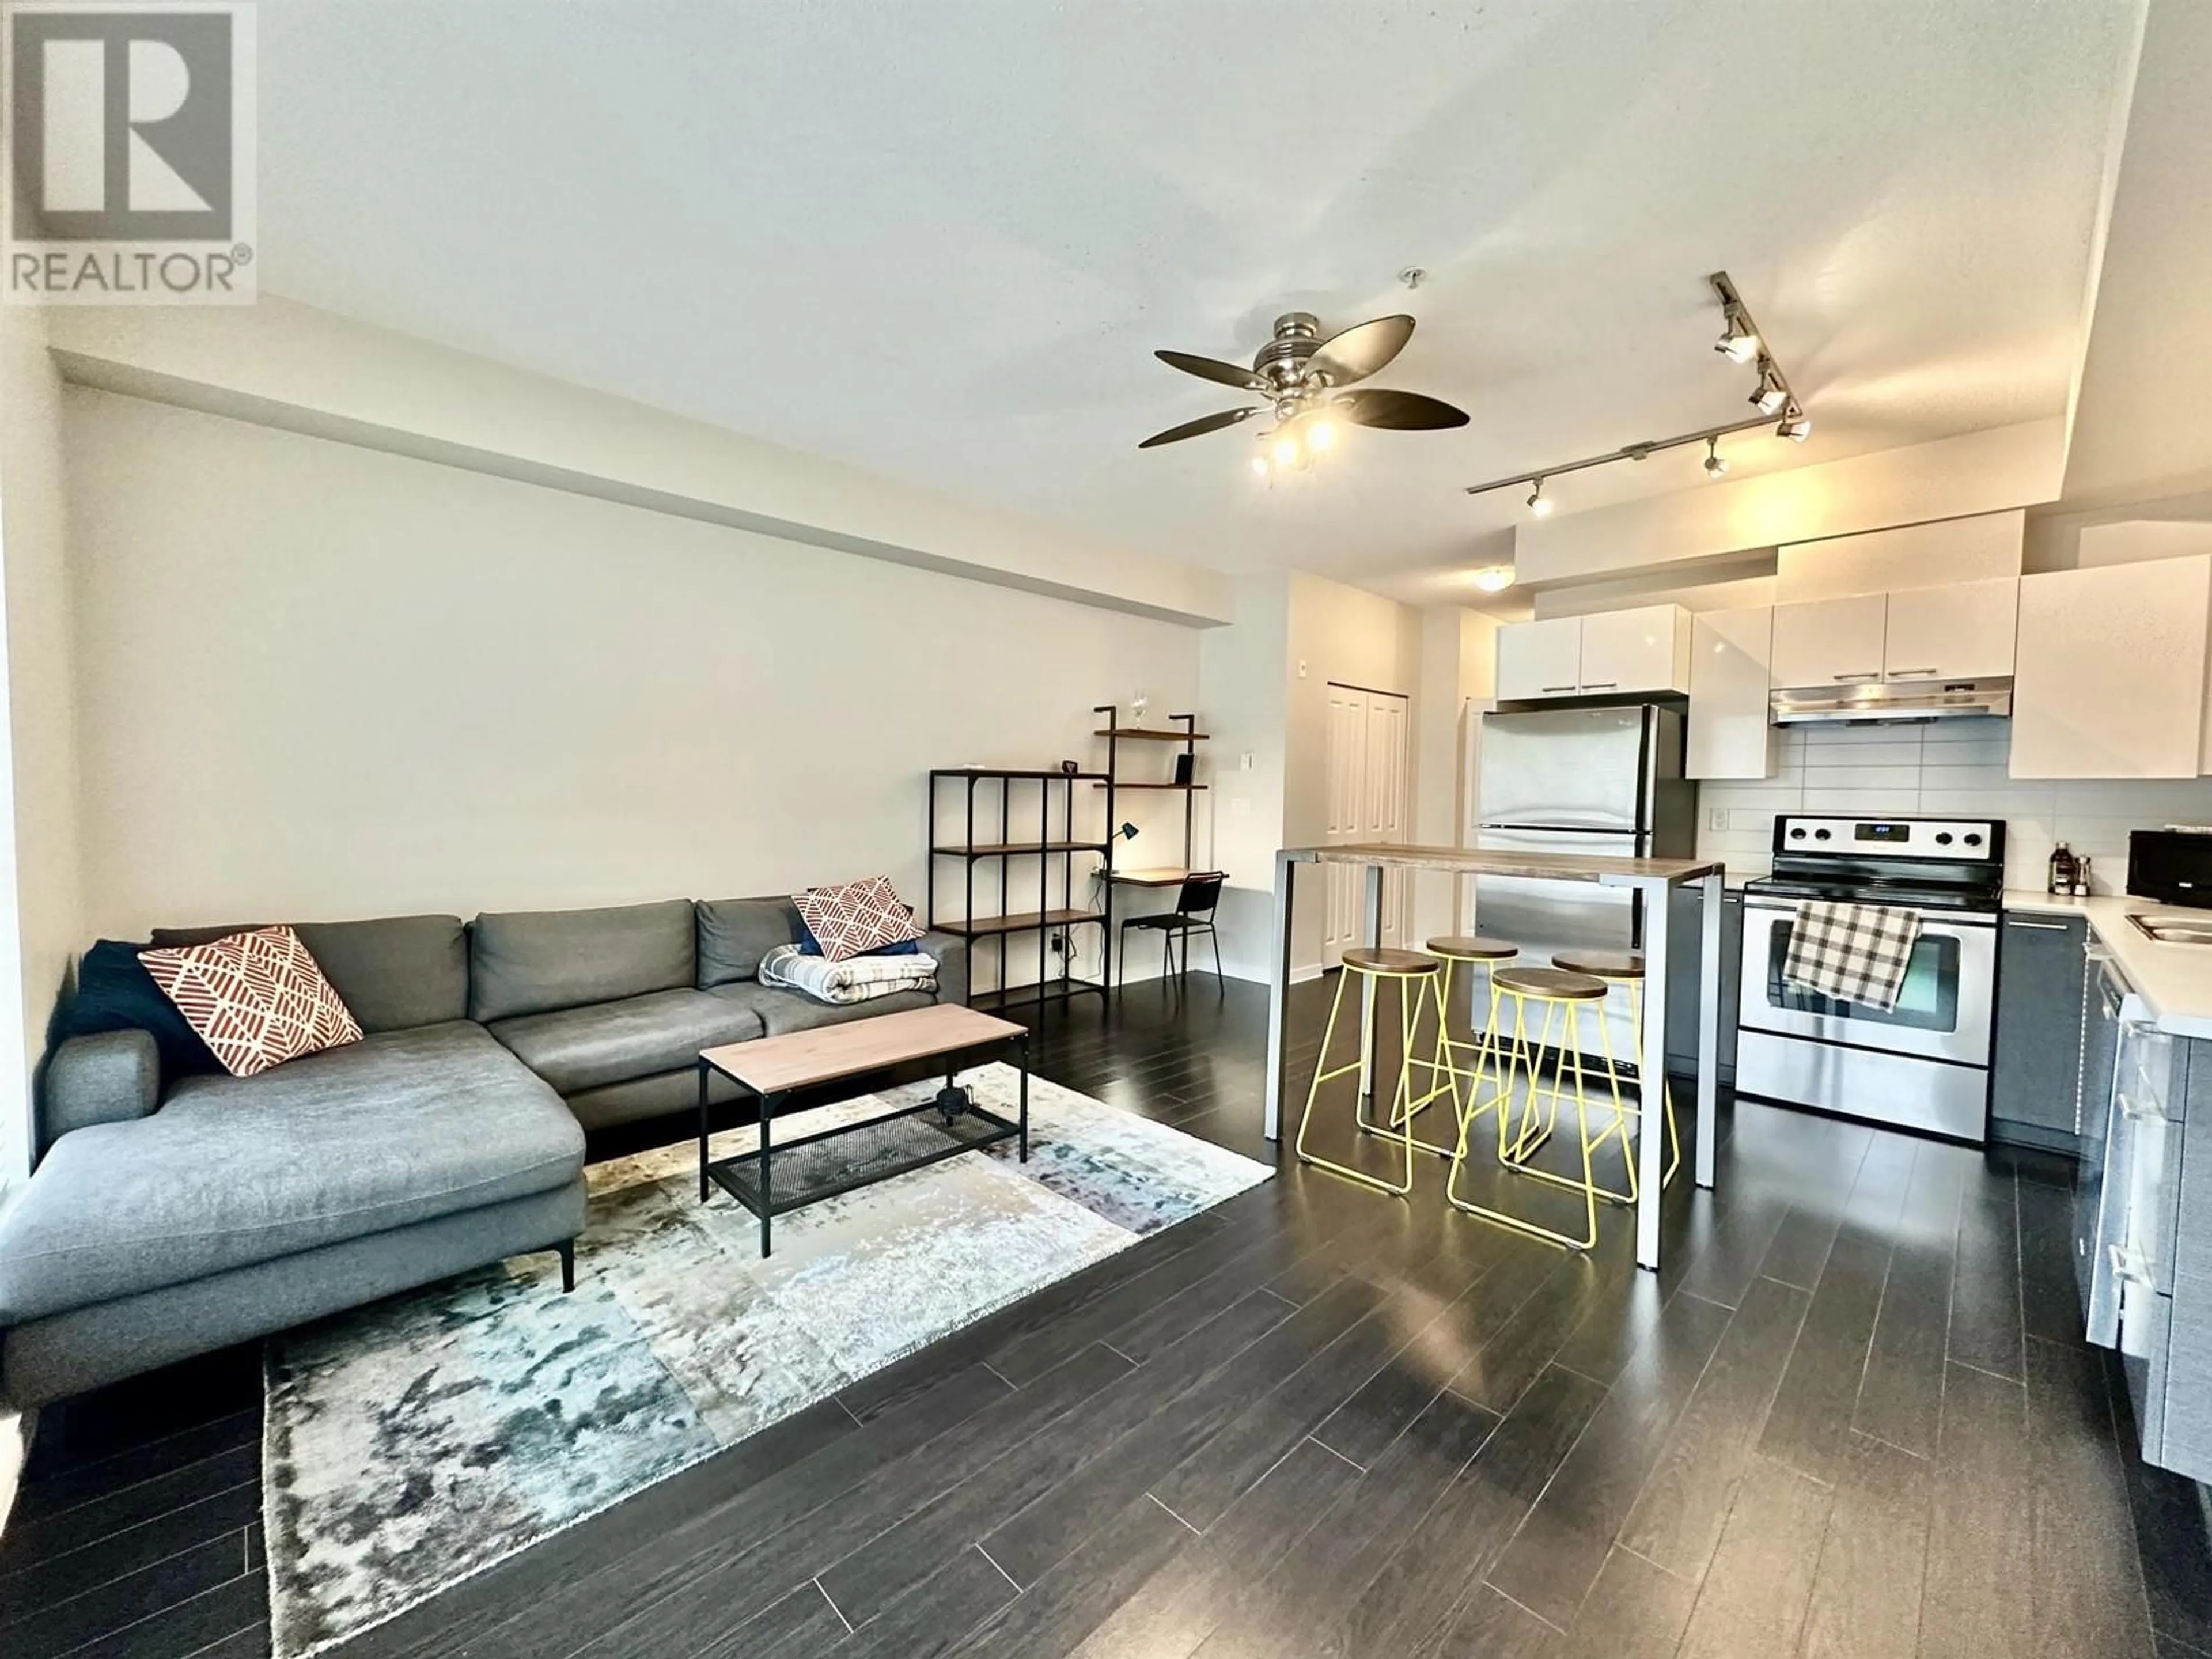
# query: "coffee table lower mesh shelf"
[[783, 1177]]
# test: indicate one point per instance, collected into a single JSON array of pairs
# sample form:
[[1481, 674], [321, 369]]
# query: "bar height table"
[[1657, 878]]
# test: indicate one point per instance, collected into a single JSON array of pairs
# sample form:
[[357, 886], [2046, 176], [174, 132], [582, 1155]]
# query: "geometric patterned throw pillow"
[[857, 917], [257, 999]]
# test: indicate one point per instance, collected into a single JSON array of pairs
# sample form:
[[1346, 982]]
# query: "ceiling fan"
[[1299, 378]]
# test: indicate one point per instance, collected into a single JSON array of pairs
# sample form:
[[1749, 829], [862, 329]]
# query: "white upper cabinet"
[[1829, 643], [1730, 736], [2108, 681], [1645, 649], [1962, 632], [1539, 658]]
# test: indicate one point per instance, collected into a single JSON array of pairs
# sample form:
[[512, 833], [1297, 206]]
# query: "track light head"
[[1538, 502], [1795, 426], [1714, 464], [1769, 397], [1738, 345]]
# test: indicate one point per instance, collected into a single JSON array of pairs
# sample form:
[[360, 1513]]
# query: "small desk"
[[1657, 876], [1151, 877]]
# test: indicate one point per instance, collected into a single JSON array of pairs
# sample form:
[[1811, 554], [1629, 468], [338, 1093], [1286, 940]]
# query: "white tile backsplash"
[[1948, 766]]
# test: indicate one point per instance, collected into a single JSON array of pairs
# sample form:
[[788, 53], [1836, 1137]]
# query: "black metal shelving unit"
[[1182, 731], [1048, 920]]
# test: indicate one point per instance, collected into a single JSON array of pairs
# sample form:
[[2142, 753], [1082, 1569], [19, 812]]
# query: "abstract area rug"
[[416, 1442]]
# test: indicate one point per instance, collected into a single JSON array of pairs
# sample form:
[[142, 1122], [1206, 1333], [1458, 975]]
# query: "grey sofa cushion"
[[526, 961], [782, 1010], [392, 972], [642, 1097], [734, 934], [579, 1049], [109, 1077], [394, 1130]]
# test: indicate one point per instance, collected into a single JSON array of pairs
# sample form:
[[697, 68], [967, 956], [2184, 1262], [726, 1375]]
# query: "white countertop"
[[2174, 981]]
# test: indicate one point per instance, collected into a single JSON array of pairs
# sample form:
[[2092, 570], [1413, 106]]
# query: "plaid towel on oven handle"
[[1853, 952]]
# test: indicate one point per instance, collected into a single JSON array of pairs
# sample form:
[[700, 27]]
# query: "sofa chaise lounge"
[[169, 1216]]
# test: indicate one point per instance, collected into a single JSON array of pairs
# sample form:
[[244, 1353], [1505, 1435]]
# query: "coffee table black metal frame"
[[722, 1172]]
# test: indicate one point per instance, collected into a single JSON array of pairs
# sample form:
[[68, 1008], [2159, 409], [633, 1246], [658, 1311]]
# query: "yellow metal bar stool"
[[1562, 996], [1627, 967], [1456, 950], [1416, 978]]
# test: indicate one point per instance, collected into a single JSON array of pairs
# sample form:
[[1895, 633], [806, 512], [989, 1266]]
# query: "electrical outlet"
[[1717, 818], [1059, 944]]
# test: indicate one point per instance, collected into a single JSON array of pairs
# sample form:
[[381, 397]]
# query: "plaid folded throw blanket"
[[856, 978], [1853, 952]]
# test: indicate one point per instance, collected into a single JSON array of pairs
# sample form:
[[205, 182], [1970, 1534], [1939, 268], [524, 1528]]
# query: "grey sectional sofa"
[[170, 1216]]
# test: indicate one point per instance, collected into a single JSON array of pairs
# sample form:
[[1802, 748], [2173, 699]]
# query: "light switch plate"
[[1717, 818]]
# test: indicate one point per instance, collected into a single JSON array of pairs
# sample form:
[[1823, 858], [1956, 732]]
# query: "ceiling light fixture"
[[1320, 435], [1492, 578], [1259, 465], [1741, 342]]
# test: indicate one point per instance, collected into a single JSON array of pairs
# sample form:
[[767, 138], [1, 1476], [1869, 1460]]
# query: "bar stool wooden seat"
[[1416, 976], [1627, 967], [1563, 996], [1454, 949]]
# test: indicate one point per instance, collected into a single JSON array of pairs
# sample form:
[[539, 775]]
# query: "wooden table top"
[[799, 1060], [1475, 861]]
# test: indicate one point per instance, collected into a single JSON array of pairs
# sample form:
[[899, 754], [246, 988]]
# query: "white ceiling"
[[941, 238]]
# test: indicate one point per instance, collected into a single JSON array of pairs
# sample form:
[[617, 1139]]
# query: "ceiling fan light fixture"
[[1259, 465], [1284, 450], [1492, 578], [1320, 433]]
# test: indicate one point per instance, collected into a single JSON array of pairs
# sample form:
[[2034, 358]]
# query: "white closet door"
[[1388, 730], [1346, 760]]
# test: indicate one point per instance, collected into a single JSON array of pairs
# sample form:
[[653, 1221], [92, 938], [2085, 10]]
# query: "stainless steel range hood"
[[1892, 703]]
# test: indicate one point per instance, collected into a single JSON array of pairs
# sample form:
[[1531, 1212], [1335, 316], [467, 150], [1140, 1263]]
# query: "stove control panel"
[[1952, 839]]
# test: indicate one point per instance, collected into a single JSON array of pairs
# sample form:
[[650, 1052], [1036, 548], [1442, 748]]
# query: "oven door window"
[[1929, 1002]]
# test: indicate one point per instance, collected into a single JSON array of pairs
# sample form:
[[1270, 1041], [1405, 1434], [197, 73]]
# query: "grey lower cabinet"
[[1684, 953], [2166, 1320], [2035, 1078]]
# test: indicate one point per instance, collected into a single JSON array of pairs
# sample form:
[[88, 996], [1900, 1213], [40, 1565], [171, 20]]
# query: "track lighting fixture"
[[1741, 342]]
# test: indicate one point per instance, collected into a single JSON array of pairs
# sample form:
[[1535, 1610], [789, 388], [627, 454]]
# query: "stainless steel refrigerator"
[[1578, 780]]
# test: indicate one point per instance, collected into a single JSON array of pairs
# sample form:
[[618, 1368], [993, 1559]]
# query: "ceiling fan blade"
[[1203, 424], [1359, 350], [1399, 411], [1211, 368]]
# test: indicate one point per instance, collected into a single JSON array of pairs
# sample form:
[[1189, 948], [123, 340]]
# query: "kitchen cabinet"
[[2109, 675], [1539, 658], [1829, 643], [2035, 1076], [1643, 649], [1731, 655], [1962, 632]]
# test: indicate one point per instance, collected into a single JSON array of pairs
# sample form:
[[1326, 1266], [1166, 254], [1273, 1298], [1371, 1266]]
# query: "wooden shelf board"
[[1150, 734], [1015, 848], [989, 772], [1125, 785], [1025, 921]]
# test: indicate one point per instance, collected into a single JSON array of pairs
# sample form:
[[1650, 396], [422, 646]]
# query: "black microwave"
[[2173, 867]]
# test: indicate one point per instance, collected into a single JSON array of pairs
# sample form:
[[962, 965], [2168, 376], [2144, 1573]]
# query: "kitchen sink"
[[2174, 926]]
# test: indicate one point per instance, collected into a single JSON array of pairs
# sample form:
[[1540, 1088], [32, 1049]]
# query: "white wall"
[[1351, 637], [40, 923], [321, 681], [1948, 766], [1243, 674]]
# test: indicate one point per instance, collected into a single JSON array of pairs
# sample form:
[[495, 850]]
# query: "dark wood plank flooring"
[[1850, 1420]]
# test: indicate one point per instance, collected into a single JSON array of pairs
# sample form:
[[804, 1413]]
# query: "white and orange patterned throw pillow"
[[257, 999], [855, 918]]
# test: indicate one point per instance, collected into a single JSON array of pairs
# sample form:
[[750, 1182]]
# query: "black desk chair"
[[1192, 914]]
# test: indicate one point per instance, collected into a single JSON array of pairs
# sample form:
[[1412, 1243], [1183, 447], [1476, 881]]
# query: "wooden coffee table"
[[852, 1058]]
